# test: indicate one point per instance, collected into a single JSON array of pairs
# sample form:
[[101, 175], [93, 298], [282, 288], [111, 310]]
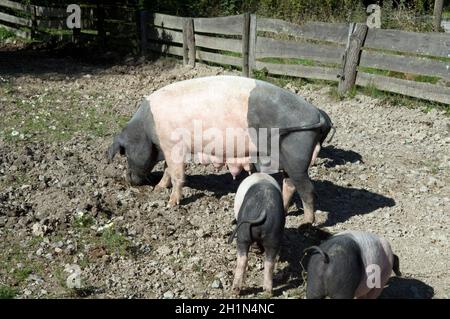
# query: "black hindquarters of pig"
[[335, 269], [261, 219]]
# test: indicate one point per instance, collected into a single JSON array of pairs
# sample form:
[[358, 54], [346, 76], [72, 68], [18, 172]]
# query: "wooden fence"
[[114, 25], [408, 63]]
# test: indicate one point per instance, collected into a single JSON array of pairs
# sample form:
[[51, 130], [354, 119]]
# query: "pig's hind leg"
[[296, 152], [269, 265], [241, 267]]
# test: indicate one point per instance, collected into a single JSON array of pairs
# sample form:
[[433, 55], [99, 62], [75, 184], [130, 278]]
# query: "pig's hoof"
[[236, 291], [173, 201], [158, 188]]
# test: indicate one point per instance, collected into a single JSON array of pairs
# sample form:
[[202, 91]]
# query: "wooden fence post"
[[351, 57], [188, 42], [437, 14], [245, 44], [33, 22], [101, 23], [143, 30], [252, 45], [76, 34]]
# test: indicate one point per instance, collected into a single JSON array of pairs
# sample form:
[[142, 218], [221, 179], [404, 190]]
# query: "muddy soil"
[[387, 171]]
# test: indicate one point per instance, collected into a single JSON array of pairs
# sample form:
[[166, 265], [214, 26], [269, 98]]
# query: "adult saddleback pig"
[[184, 118]]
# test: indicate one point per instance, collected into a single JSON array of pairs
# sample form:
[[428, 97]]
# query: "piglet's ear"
[[115, 147]]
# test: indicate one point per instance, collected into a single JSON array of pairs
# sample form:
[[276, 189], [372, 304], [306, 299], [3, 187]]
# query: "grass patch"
[[54, 115], [115, 242], [6, 34], [7, 292], [83, 220], [20, 275], [306, 62], [401, 75]]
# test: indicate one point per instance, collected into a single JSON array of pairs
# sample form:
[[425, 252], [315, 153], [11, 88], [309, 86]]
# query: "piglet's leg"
[[165, 181], [288, 192], [239, 274], [269, 265]]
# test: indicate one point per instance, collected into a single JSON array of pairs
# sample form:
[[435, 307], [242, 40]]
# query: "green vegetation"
[[401, 14], [5, 34], [45, 117], [114, 241], [7, 292], [401, 75]]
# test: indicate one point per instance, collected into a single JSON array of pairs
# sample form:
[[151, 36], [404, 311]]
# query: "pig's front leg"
[[165, 181], [177, 176], [288, 192]]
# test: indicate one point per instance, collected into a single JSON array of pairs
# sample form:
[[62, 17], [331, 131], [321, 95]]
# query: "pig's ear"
[[326, 258], [115, 147]]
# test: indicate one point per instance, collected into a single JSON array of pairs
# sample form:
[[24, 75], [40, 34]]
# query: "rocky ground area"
[[65, 214]]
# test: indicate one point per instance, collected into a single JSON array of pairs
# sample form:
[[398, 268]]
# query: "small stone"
[[37, 230], [216, 284], [168, 295], [423, 189]]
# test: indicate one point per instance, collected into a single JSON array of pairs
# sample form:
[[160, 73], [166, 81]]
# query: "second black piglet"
[[258, 209]]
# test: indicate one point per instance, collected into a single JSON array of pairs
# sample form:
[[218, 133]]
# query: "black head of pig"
[[135, 141]]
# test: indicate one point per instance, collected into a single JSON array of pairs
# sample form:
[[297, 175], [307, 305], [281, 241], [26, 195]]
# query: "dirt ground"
[[386, 171]]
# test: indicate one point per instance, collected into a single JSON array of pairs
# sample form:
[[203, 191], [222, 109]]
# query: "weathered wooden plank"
[[431, 43], [245, 45], [302, 71], [267, 47], [61, 24], [406, 64], [233, 45], [165, 35], [347, 78], [252, 44], [218, 58], [231, 25], [14, 5], [188, 42], [332, 32], [166, 21], [143, 31], [165, 48], [51, 12], [16, 20], [20, 33], [419, 90]]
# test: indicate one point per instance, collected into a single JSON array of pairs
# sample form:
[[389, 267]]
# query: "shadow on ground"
[[407, 288]]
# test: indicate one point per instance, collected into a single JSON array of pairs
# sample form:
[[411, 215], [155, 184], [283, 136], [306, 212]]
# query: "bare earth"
[[387, 171]]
